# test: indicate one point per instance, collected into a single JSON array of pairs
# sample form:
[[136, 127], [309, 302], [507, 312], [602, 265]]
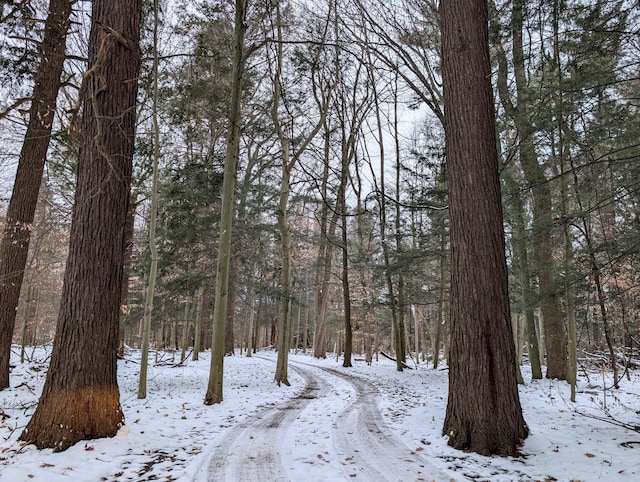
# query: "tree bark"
[[80, 399], [16, 236], [483, 410]]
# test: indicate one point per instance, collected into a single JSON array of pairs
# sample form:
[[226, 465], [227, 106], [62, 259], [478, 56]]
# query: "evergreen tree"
[[483, 408], [80, 399]]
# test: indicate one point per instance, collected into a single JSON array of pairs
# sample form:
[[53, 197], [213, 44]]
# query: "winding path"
[[359, 445]]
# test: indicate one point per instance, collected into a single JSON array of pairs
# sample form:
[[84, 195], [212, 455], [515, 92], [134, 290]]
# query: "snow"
[[331, 424]]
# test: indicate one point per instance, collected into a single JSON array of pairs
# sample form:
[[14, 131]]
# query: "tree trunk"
[[348, 332], [440, 319], [229, 339], [214, 388], [25, 320], [324, 263], [153, 215], [186, 325], [14, 245], [417, 323], [198, 325], [382, 203], [290, 159], [284, 304], [483, 410], [521, 259], [402, 355], [251, 316], [129, 229], [305, 329], [515, 325], [552, 317], [80, 399]]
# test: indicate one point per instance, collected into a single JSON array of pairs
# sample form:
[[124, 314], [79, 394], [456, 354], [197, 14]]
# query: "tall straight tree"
[[214, 388], [153, 247], [483, 410], [80, 399], [14, 244]]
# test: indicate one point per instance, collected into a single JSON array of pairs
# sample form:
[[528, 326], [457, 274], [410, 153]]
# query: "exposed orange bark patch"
[[64, 417]]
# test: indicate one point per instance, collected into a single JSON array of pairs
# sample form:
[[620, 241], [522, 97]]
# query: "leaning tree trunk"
[[483, 410], [80, 399], [14, 245]]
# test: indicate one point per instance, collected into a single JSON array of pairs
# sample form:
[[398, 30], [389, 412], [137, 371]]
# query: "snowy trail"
[[273, 445], [364, 437], [252, 451]]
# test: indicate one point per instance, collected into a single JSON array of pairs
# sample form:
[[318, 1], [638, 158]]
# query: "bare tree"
[[291, 153]]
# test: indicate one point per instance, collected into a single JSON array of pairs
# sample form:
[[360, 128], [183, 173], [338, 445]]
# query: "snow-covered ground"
[[364, 423]]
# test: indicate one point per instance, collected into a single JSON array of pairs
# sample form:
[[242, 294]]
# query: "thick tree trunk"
[[483, 409], [80, 399], [14, 245]]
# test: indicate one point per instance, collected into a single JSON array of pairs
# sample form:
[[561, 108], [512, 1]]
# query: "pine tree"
[[80, 399], [483, 408]]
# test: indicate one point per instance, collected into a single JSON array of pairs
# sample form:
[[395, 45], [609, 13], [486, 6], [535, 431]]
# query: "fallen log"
[[404, 365]]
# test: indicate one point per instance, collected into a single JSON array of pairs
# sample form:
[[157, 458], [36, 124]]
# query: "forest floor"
[[364, 423]]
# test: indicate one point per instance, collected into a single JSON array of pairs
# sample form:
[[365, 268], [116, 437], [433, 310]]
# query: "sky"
[[368, 423]]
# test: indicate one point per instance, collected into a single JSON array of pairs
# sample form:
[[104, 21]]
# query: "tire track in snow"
[[369, 449], [251, 452], [359, 444]]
